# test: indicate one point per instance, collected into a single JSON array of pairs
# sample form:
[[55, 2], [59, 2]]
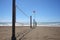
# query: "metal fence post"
[[13, 19], [30, 21]]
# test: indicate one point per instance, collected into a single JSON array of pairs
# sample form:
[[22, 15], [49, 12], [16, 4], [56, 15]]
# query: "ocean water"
[[27, 24], [49, 24], [16, 24]]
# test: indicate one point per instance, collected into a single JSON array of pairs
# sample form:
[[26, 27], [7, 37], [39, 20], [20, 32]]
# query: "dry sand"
[[39, 33], [6, 32]]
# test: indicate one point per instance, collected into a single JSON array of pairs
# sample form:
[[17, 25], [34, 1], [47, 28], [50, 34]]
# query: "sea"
[[54, 24], [28, 24]]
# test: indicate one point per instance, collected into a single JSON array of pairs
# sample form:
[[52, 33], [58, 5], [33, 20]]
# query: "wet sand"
[[39, 33]]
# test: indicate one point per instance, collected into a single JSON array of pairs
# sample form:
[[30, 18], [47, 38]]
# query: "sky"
[[45, 10]]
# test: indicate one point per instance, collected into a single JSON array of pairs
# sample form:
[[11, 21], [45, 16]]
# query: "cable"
[[22, 11]]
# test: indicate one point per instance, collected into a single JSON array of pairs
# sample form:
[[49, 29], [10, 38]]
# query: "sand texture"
[[25, 33]]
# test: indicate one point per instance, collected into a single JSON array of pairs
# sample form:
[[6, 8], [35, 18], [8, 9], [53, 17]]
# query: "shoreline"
[[37, 26]]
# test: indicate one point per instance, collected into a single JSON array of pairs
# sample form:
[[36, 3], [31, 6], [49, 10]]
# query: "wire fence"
[[21, 30]]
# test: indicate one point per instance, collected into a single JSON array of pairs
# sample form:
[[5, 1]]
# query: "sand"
[[25, 33], [6, 32]]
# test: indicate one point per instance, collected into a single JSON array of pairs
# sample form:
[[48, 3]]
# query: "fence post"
[[30, 21], [13, 20]]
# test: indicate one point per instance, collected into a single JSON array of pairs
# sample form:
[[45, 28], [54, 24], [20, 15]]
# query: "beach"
[[6, 31], [25, 33]]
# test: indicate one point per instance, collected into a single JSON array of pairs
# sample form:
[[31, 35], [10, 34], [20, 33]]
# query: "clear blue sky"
[[46, 10]]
